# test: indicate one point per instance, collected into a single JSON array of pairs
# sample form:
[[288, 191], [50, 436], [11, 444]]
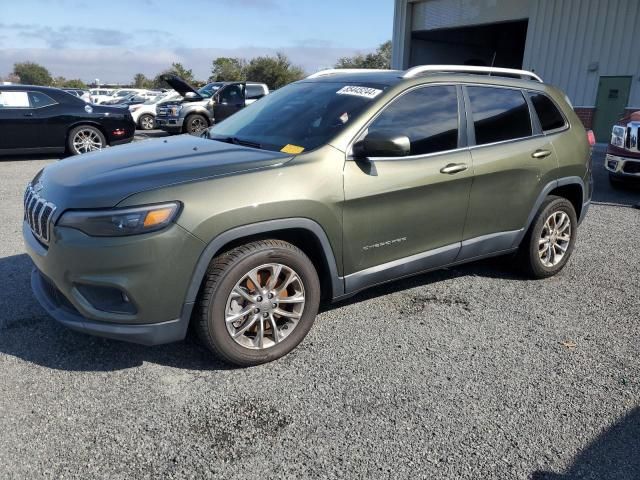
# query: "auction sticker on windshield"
[[366, 92]]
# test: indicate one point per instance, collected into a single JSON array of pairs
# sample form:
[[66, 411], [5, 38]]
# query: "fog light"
[[107, 299]]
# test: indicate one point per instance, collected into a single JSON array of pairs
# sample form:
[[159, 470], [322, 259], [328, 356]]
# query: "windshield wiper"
[[235, 141]]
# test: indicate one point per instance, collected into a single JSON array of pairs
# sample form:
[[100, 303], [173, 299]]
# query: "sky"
[[114, 40]]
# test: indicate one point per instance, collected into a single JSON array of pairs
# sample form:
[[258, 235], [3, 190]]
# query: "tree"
[[176, 69], [381, 58], [141, 81], [32, 74], [274, 71], [227, 69], [62, 82], [75, 83]]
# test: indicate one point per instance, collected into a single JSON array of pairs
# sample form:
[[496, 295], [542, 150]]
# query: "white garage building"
[[589, 48]]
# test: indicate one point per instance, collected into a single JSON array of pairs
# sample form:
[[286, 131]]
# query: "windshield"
[[154, 100], [298, 117], [209, 89], [123, 93]]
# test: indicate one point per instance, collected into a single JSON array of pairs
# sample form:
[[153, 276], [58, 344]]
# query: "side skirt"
[[450, 255]]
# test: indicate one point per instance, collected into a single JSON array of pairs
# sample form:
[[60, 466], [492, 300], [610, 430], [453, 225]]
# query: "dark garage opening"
[[498, 44]]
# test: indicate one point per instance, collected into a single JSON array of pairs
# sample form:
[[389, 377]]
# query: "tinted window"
[[499, 114], [13, 99], [39, 100], [548, 114], [254, 91], [231, 94], [428, 116]]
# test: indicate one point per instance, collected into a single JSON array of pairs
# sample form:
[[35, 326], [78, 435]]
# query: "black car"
[[43, 119]]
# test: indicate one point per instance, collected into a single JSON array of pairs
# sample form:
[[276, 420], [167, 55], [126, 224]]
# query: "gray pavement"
[[472, 372]]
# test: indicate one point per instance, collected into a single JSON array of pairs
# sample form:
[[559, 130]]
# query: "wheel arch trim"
[[210, 251], [548, 188]]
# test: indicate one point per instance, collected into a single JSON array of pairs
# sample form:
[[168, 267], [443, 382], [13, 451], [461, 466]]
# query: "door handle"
[[454, 168], [28, 114], [541, 153]]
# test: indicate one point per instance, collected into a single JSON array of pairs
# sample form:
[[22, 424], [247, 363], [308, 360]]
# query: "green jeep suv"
[[328, 186]]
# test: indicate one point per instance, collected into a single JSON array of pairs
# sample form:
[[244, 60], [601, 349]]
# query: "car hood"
[[103, 179], [179, 85]]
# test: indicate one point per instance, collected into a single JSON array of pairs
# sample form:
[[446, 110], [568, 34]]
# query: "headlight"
[[175, 110], [121, 221], [617, 136]]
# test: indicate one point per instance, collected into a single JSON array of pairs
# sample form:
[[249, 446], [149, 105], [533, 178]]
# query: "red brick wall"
[[586, 116]]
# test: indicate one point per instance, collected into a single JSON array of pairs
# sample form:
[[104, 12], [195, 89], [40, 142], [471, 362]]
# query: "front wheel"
[[84, 139], [196, 124], [258, 302], [550, 241], [146, 122]]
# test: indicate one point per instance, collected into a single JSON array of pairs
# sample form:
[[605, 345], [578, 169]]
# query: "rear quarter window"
[[548, 114], [499, 114]]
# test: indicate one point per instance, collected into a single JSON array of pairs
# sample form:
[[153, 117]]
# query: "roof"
[[29, 87], [455, 73]]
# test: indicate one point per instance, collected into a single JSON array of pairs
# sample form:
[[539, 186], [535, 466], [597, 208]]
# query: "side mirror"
[[190, 95], [382, 144]]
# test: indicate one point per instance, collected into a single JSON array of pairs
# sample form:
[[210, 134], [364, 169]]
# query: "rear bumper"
[[52, 300]]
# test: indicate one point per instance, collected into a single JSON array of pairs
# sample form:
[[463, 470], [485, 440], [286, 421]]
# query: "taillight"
[[591, 137]]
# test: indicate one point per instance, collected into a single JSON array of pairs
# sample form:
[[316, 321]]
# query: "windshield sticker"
[[365, 92], [295, 149]]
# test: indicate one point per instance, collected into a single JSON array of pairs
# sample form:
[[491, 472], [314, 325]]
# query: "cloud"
[[70, 35], [117, 65]]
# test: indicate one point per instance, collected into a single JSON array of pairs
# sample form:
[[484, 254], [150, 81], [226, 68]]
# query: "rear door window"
[[427, 115], [254, 92], [39, 100], [499, 114], [548, 114]]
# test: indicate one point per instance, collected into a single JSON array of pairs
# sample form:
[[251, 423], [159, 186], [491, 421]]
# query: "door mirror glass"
[[382, 144]]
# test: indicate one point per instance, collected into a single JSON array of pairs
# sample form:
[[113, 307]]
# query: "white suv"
[[144, 114]]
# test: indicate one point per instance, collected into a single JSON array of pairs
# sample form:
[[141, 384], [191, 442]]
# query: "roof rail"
[[334, 71], [415, 71]]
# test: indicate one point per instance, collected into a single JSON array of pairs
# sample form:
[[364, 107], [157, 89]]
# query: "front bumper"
[[623, 167], [52, 300], [148, 273], [170, 124]]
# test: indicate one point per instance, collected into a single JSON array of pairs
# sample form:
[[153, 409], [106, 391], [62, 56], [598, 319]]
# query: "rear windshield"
[[298, 117]]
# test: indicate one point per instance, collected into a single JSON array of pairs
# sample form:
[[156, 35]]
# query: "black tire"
[[194, 122], [146, 122], [529, 255], [92, 131], [222, 275]]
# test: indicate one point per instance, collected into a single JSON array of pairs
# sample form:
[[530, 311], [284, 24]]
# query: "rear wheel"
[[196, 124], [258, 302], [146, 122], [84, 139], [548, 245]]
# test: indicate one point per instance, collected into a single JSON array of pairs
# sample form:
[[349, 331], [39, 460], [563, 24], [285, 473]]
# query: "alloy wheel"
[[147, 122], [198, 125], [555, 239], [87, 140], [265, 306]]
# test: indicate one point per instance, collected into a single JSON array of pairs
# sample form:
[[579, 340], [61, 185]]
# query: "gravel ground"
[[471, 372]]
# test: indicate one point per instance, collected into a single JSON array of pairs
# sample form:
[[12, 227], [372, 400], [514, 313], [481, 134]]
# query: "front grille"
[[38, 214], [631, 167]]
